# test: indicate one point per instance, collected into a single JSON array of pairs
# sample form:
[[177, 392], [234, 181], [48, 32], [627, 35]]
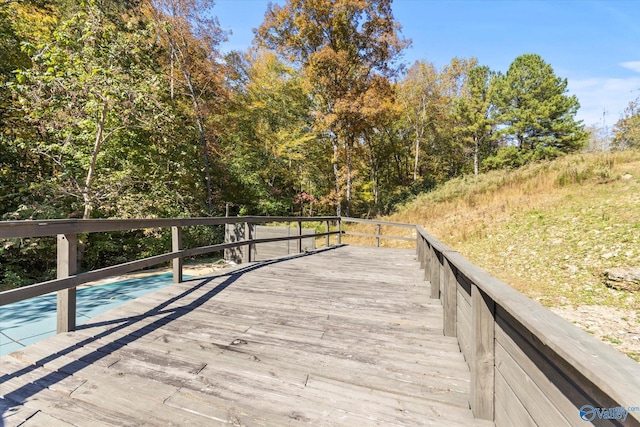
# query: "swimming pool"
[[29, 321]]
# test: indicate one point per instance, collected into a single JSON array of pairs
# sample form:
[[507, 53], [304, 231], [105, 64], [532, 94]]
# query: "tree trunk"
[[94, 159], [203, 136], [205, 161], [183, 58], [336, 173], [348, 196], [415, 164], [476, 148], [172, 77]]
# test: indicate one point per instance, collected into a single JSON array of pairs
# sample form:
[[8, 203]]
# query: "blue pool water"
[[26, 322]]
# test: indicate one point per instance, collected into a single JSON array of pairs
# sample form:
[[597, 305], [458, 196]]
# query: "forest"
[[128, 109]]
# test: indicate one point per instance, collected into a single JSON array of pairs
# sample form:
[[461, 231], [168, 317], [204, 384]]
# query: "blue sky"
[[594, 44]]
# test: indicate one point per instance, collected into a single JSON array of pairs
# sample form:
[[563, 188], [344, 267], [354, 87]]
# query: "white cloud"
[[631, 65], [608, 95]]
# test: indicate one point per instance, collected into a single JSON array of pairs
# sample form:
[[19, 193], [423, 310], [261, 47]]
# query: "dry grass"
[[548, 229]]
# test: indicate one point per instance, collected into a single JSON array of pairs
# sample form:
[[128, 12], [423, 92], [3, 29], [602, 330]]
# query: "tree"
[[473, 114], [627, 130], [90, 85], [420, 96], [449, 152], [429, 97], [534, 112], [13, 157], [347, 50], [191, 35], [267, 135]]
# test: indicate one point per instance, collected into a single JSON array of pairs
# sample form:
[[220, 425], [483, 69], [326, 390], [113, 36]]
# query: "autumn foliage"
[[129, 109]]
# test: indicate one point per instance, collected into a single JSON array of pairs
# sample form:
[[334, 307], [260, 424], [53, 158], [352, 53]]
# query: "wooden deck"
[[346, 336]]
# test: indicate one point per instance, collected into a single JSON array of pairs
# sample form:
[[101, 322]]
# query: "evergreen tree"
[[473, 115], [535, 113]]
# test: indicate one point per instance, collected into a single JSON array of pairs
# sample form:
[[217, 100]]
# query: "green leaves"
[[90, 85], [268, 133], [627, 129], [530, 101], [347, 51], [127, 109]]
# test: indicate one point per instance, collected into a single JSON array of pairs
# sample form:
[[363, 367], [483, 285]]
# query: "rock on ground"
[[623, 278]]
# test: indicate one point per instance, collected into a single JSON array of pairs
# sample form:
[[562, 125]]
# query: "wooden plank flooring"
[[341, 337]]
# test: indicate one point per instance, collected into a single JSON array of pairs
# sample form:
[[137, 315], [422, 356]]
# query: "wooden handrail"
[[67, 230], [373, 221], [543, 368], [378, 235], [527, 364], [44, 228]]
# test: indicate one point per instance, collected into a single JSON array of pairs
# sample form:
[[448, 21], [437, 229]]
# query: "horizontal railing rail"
[[378, 234], [67, 231], [44, 228], [528, 365]]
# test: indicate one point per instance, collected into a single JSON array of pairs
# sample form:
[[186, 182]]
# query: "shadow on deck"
[[340, 336]]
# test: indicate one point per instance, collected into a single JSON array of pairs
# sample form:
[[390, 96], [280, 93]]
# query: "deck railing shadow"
[[18, 396], [67, 231]]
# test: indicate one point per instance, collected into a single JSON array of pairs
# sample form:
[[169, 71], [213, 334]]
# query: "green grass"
[[611, 339]]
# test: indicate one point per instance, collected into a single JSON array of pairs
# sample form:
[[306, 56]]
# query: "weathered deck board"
[[346, 336]]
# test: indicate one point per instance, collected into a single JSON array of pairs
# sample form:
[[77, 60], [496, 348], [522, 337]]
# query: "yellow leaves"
[[31, 22], [291, 145]]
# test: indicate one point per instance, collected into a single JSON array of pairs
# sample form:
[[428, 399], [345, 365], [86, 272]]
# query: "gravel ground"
[[617, 327]]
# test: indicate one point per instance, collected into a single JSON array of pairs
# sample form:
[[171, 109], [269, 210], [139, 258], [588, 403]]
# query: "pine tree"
[[536, 114], [473, 115]]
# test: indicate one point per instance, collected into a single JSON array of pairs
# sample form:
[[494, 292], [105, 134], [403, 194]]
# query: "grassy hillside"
[[548, 229]]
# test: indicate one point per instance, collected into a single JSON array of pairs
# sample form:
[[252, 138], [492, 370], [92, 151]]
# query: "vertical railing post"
[[253, 234], [67, 265], [176, 246], [483, 310], [339, 231], [424, 255], [450, 299], [377, 235], [248, 232], [299, 237], [327, 240], [434, 273]]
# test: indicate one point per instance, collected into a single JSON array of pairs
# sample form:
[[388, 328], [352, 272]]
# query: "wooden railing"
[[528, 365], [378, 235], [67, 232]]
